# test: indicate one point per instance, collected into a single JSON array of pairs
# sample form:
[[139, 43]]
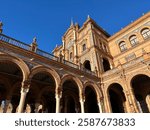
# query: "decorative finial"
[[1, 25], [71, 22], [88, 17], [34, 40], [34, 45]]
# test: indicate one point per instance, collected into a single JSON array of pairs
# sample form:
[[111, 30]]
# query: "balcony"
[[42, 53]]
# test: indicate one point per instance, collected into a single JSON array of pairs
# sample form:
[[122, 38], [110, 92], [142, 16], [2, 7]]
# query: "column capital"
[[58, 93], [24, 90], [82, 97], [26, 84], [99, 100]]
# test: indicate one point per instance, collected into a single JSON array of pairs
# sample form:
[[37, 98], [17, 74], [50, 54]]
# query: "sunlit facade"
[[91, 72]]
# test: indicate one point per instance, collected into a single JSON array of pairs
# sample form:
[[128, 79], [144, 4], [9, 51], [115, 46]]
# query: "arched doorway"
[[91, 105], [106, 65], [11, 74], [70, 97], [42, 90], [87, 65], [140, 84], [117, 98]]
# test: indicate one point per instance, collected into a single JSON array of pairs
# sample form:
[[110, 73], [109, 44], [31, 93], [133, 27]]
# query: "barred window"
[[145, 33], [133, 40], [122, 46]]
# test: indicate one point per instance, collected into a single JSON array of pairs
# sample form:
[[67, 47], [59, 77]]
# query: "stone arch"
[[19, 62], [116, 95], [75, 79], [95, 87], [87, 65], [134, 33], [93, 97], [117, 81], [143, 27], [50, 71], [106, 64], [133, 39], [140, 84], [69, 102], [140, 72]]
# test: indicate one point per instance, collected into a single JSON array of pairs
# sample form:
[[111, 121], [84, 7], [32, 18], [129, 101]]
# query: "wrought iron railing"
[[42, 53]]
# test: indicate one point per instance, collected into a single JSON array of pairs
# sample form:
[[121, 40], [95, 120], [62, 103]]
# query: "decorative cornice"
[[130, 26]]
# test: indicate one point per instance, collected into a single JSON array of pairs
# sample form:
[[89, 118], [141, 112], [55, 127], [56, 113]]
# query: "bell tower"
[[86, 46]]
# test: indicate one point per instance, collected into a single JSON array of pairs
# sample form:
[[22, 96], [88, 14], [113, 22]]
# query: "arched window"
[[106, 65], [87, 65], [122, 46], [145, 33], [133, 40], [70, 55], [83, 47]]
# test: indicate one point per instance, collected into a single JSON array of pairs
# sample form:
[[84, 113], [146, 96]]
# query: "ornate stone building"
[[90, 72]]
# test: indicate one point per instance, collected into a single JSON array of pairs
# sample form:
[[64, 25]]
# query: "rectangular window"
[[83, 47]]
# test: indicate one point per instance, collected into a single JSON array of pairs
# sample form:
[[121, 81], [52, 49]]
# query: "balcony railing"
[[124, 66], [42, 53], [70, 64], [14, 42], [47, 55]]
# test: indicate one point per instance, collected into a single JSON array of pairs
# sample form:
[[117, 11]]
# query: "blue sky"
[[49, 19]]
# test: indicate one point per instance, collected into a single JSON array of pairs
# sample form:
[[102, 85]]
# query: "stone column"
[[129, 93], [82, 106], [58, 96], [57, 103], [134, 101], [82, 100], [100, 103], [24, 91], [148, 101]]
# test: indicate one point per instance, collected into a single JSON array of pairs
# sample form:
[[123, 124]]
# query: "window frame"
[[83, 47], [145, 33], [133, 40], [122, 46], [70, 55]]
